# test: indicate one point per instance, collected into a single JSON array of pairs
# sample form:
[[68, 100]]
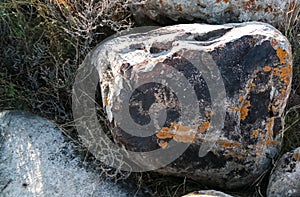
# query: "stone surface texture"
[[35, 160], [285, 178], [255, 63], [207, 193], [214, 11]]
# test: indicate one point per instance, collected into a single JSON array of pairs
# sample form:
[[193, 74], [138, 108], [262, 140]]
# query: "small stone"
[[215, 92], [207, 193], [213, 11], [285, 178]]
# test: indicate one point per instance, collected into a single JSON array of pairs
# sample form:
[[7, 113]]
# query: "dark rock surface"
[[219, 90], [213, 11], [207, 193], [35, 160], [285, 178]]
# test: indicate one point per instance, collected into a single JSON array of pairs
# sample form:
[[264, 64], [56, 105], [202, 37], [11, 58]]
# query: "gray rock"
[[207, 193], [35, 160], [285, 178], [195, 100], [214, 11]]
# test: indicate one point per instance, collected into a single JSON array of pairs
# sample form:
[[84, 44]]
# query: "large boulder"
[[209, 97], [35, 160], [214, 11], [285, 178]]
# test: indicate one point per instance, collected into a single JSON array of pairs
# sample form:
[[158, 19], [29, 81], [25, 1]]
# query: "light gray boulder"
[[214, 11], [35, 160], [285, 179]]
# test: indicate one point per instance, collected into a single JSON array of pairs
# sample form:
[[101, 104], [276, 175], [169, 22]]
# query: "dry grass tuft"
[[42, 42]]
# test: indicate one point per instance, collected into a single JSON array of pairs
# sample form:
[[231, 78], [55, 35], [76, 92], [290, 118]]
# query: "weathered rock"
[[35, 160], [214, 11], [223, 88], [285, 178], [207, 193]]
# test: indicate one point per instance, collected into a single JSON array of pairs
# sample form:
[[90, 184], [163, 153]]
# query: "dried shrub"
[[42, 42]]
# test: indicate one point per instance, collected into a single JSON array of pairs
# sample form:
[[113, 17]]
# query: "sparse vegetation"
[[42, 43]]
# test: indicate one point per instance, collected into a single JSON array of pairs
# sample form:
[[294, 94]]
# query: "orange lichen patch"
[[178, 132], [297, 156], [241, 98], [282, 54], [181, 128], [163, 144], [235, 144], [255, 133], [185, 138], [165, 133], [243, 110], [285, 73], [282, 91], [161, 1], [226, 1], [225, 144], [252, 85], [233, 108], [273, 142], [218, 1], [267, 68], [106, 101], [261, 90], [204, 127]]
